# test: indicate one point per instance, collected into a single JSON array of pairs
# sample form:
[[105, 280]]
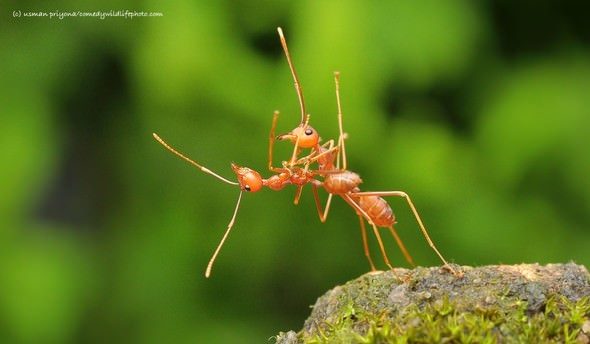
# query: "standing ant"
[[369, 206]]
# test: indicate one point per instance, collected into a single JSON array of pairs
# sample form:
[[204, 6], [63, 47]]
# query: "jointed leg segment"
[[416, 215], [365, 243], [360, 211], [401, 246], [323, 214]]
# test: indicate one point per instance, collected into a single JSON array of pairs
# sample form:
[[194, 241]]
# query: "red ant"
[[339, 181]]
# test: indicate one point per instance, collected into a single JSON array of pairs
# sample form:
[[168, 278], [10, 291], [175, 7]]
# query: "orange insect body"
[[304, 135], [296, 176], [378, 210], [278, 181], [342, 182], [346, 182]]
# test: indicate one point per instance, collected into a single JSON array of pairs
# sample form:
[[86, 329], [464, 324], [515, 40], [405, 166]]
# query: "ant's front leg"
[[315, 155], [271, 143]]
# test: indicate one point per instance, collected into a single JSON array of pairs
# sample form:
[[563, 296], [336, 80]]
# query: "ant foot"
[[456, 273]]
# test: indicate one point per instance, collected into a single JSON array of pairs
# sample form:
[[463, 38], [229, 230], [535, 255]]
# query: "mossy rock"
[[525, 303]]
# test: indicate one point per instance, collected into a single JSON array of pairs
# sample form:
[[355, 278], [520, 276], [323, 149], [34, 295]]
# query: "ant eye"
[[247, 187], [308, 131]]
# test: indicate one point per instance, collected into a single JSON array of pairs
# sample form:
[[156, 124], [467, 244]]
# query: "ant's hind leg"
[[365, 243], [381, 246], [401, 246], [359, 210], [418, 219]]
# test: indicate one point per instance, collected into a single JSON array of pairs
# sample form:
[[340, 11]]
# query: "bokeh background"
[[479, 110]]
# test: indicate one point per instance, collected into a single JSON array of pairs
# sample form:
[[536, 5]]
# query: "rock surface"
[[500, 303]]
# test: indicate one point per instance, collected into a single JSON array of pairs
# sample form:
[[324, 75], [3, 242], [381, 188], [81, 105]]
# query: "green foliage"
[[104, 235]]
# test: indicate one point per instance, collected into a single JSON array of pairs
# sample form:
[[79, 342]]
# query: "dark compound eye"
[[247, 187], [308, 131]]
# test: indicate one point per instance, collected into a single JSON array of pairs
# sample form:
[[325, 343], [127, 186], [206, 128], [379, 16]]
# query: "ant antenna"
[[202, 168], [229, 227], [295, 78], [342, 151]]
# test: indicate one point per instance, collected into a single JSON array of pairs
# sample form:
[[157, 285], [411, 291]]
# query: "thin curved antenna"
[[341, 137], [229, 227], [202, 168], [295, 78]]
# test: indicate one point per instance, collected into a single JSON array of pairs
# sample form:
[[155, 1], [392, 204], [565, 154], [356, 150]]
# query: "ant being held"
[[249, 180]]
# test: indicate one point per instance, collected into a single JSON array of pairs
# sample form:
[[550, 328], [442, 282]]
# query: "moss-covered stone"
[[502, 303]]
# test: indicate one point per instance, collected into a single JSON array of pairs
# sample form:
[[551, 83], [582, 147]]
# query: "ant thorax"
[[300, 176], [343, 182], [278, 181]]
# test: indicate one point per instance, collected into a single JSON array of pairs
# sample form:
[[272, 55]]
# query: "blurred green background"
[[479, 110]]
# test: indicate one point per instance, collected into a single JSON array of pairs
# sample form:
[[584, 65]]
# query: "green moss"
[[507, 304], [441, 322]]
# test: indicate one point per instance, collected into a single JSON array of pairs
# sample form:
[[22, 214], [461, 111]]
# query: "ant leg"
[[300, 187], [323, 214], [401, 246], [313, 157], [342, 136], [298, 194], [418, 219], [359, 210], [271, 143], [229, 227], [271, 139], [365, 244], [185, 158]]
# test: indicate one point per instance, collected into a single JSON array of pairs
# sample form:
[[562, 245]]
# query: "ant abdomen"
[[378, 210]]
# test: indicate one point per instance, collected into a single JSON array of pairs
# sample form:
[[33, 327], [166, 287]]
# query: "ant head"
[[249, 179], [305, 136]]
